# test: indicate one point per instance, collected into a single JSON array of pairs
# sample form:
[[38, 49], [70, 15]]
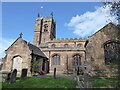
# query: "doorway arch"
[[17, 63]]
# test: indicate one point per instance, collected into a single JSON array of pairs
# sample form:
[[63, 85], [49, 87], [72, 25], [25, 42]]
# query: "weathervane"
[[40, 11]]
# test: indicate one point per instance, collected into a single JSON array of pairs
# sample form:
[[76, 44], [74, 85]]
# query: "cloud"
[[88, 23], [4, 44]]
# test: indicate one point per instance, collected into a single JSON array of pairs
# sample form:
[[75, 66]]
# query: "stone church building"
[[66, 55]]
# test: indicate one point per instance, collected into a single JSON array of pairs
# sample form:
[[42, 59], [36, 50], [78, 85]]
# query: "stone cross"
[[20, 34]]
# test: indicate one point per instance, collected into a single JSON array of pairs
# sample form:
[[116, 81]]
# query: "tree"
[[114, 9], [35, 65]]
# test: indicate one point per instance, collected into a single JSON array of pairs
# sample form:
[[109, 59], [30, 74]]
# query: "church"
[[66, 55]]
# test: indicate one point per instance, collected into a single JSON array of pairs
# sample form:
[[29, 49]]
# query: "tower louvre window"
[[45, 27]]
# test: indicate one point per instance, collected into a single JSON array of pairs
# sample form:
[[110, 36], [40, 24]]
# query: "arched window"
[[45, 27], [79, 45], [56, 59], [53, 46], [66, 45], [111, 51], [77, 60]]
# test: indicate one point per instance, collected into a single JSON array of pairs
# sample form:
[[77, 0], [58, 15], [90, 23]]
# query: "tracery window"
[[53, 46], [45, 27], [112, 52], [77, 60], [56, 59], [79, 45]]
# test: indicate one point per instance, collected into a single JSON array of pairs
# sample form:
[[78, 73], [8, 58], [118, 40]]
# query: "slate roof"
[[36, 50]]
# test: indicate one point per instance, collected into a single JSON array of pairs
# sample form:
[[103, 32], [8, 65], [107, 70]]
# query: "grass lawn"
[[105, 82], [42, 82]]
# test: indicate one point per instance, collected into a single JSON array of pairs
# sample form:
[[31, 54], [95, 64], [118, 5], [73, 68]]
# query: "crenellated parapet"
[[67, 39]]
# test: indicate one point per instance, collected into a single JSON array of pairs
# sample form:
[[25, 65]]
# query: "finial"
[[20, 34], [55, 21], [38, 15], [51, 15]]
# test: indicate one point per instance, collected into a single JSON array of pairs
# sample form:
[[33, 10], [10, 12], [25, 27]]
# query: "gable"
[[18, 47], [13, 44], [107, 28]]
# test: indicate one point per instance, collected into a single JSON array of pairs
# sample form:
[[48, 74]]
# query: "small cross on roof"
[[20, 34]]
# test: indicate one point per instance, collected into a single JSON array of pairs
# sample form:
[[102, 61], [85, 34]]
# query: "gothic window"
[[53, 45], [56, 60], [112, 51], [66, 46], [77, 60], [45, 27], [79, 45]]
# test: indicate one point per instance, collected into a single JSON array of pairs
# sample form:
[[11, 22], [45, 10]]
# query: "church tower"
[[45, 30]]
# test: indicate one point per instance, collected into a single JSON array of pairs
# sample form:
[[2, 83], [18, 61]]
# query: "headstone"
[[8, 77], [24, 74], [13, 76], [78, 71], [54, 73]]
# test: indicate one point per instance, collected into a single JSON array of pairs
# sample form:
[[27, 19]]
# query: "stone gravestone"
[[54, 73], [78, 71], [13, 76], [8, 77], [24, 74]]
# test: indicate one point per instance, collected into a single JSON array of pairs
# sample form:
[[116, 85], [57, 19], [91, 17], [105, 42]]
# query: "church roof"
[[35, 50]]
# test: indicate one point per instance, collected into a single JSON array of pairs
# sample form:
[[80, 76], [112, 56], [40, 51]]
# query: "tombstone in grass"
[[13, 76], [54, 73], [8, 77], [24, 74]]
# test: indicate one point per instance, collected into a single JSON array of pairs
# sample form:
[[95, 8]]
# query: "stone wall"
[[95, 48], [64, 52]]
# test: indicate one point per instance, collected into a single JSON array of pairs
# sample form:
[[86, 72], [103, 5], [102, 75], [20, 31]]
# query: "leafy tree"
[[35, 65], [114, 9]]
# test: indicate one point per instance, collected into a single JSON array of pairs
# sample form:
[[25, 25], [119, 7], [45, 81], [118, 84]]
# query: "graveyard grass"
[[105, 82], [42, 82]]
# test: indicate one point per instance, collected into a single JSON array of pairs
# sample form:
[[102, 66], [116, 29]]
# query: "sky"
[[73, 20]]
